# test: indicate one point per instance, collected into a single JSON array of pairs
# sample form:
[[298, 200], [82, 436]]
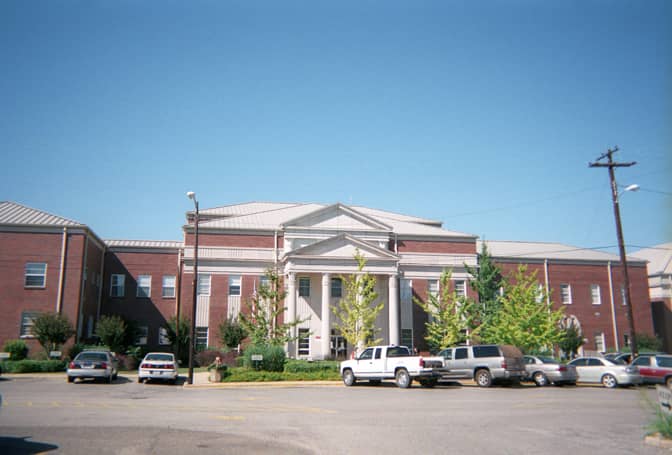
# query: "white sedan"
[[158, 365], [610, 374]]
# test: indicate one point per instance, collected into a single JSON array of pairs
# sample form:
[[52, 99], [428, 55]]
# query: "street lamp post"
[[192, 334]]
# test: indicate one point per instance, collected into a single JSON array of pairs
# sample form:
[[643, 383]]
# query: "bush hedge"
[[18, 349], [33, 366], [303, 366], [274, 358], [248, 375]]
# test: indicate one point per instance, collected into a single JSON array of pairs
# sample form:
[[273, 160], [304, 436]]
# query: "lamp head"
[[191, 195], [633, 187]]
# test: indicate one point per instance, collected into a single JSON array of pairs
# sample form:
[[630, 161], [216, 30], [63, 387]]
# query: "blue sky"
[[484, 115]]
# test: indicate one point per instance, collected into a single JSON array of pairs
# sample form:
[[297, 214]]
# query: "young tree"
[[261, 321], [231, 333], [526, 318], [356, 312], [115, 333], [571, 340], [177, 333], [52, 330], [451, 317], [486, 282]]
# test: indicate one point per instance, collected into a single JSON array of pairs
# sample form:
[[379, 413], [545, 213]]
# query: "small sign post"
[[4, 355], [664, 399], [256, 360]]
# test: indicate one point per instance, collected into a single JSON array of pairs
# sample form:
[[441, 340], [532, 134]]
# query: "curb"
[[656, 440], [261, 384]]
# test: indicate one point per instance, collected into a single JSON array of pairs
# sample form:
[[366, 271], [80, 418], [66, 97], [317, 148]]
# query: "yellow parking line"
[[231, 418]]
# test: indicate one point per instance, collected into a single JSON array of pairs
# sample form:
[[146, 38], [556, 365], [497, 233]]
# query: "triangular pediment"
[[336, 217], [343, 246]]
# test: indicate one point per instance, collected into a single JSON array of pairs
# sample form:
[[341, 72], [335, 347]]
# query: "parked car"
[[378, 363], [158, 365], [655, 369], [484, 363], [621, 358], [600, 370], [545, 370], [93, 365]]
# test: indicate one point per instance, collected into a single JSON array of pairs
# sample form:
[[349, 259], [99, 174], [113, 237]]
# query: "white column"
[[393, 310], [291, 311], [326, 316]]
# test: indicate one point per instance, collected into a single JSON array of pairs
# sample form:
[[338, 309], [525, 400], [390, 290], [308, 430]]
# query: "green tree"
[[115, 333], [451, 317], [231, 333], [52, 330], [526, 318], [356, 312], [177, 333], [486, 282], [571, 339], [261, 320]]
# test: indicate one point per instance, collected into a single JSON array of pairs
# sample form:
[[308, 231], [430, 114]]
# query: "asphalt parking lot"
[[44, 414]]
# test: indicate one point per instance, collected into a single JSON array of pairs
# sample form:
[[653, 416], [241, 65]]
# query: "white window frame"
[[460, 287], [204, 284], [118, 282], [27, 323], [433, 288], [623, 299], [303, 342], [539, 297], [302, 293], [142, 335], [168, 286], [235, 285], [31, 272], [600, 341], [566, 291], [163, 336], [339, 287], [144, 282], [595, 294]]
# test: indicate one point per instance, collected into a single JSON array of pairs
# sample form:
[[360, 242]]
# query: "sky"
[[483, 115]]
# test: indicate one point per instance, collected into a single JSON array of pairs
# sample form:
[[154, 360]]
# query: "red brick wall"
[[154, 311], [243, 241], [416, 246], [16, 249], [596, 319]]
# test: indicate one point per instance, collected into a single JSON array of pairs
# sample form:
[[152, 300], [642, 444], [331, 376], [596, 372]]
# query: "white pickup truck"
[[377, 363]]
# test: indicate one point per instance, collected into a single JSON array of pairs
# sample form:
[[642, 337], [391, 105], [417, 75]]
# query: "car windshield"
[[160, 357], [547, 360], [92, 356]]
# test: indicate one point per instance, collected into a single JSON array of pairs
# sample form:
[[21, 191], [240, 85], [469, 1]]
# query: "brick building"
[[312, 246]]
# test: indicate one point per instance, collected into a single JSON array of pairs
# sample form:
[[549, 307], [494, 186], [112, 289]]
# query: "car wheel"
[[609, 381], [483, 378], [349, 378], [668, 382], [403, 379], [540, 379], [140, 380], [71, 379]]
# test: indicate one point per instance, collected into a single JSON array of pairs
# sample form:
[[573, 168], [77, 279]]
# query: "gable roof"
[[343, 246], [547, 250], [20, 215], [659, 257], [352, 218]]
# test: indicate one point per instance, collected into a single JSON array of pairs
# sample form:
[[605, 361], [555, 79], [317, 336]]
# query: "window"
[[168, 287], [539, 297], [117, 285], [201, 337], [234, 284], [264, 282], [599, 342], [486, 351], [665, 362], [367, 354], [378, 353], [624, 300], [27, 322], [595, 294], [460, 353], [304, 342], [203, 284], [433, 288], [141, 338], [36, 275], [594, 363], [643, 361], [460, 288], [407, 338], [144, 286], [336, 287], [163, 336], [398, 351], [304, 286], [566, 294]]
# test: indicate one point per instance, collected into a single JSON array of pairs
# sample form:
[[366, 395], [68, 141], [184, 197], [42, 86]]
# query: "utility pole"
[[610, 164]]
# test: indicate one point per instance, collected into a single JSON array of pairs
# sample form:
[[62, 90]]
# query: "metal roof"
[[547, 250], [17, 214], [659, 257], [144, 243]]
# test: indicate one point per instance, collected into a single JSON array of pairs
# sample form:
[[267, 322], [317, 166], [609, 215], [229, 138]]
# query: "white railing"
[[208, 252]]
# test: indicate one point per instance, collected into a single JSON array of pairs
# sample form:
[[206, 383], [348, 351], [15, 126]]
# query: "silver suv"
[[484, 363]]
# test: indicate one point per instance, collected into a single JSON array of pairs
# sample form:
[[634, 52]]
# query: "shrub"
[[247, 375], [33, 366], [648, 342], [273, 357], [179, 341], [128, 362], [114, 332], [231, 332], [52, 330], [303, 366], [18, 349]]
